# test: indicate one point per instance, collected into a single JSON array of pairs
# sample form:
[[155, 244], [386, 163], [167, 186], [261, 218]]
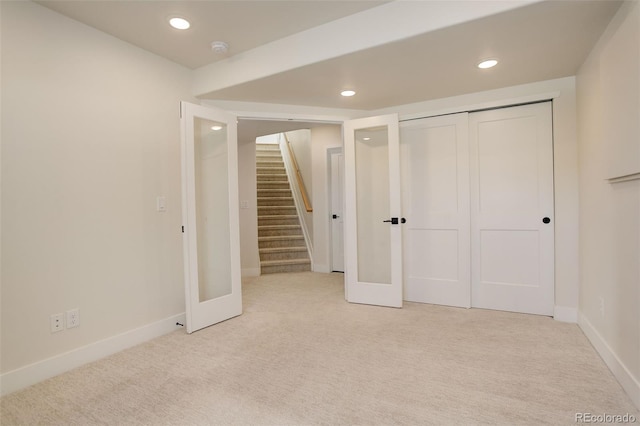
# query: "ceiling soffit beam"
[[384, 24]]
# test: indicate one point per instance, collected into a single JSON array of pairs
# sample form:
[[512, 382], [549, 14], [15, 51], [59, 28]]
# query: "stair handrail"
[[303, 189]]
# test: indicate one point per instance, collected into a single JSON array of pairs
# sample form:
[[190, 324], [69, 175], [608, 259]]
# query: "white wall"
[[610, 212], [322, 138], [90, 138], [247, 193], [301, 146]]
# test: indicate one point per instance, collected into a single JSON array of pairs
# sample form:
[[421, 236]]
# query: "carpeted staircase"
[[280, 238]]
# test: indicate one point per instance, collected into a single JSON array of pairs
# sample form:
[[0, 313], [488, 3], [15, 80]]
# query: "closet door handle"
[[546, 220]]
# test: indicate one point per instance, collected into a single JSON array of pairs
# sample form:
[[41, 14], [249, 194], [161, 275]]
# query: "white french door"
[[373, 234], [434, 156], [210, 216], [512, 227]]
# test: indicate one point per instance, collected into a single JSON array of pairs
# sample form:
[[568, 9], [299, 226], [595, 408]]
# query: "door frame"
[[564, 255], [330, 196]]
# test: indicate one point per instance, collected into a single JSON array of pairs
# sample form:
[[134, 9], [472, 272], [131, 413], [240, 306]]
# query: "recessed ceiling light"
[[216, 127], [488, 63], [347, 93], [179, 23], [366, 139]]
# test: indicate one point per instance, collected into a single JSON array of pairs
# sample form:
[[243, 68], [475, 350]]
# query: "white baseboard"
[[250, 272], [565, 314], [630, 384], [50, 367]]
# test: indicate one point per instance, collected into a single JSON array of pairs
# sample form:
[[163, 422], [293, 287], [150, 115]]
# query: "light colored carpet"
[[301, 355]]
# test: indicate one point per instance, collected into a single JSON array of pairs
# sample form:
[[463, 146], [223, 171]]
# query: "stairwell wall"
[[301, 145]]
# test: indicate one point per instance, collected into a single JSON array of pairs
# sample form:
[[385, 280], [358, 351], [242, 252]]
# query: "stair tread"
[[275, 198], [285, 262], [278, 226], [283, 249], [281, 237]]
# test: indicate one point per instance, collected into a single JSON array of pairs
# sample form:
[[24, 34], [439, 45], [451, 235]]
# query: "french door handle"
[[394, 220], [335, 216]]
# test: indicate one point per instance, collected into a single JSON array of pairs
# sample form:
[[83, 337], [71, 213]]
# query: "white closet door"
[[434, 155], [512, 226]]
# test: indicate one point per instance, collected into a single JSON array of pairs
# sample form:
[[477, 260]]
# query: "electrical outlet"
[[57, 322], [73, 318]]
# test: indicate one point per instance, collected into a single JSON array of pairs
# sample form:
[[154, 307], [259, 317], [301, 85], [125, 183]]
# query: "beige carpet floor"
[[301, 355]]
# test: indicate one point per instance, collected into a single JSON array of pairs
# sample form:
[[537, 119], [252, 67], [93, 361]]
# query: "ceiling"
[[243, 24], [535, 42]]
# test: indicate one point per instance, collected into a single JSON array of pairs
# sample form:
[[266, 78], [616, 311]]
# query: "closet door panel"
[[435, 196], [512, 233]]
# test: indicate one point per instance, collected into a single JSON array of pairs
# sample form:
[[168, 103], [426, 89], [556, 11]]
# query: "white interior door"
[[210, 216], [373, 233], [337, 211], [512, 230], [434, 159]]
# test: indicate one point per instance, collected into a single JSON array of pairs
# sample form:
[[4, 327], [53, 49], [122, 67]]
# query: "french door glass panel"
[[372, 207], [212, 209], [372, 193], [210, 214]]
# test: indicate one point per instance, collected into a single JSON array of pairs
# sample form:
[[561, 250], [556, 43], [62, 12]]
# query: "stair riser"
[[270, 171], [301, 254], [276, 210], [278, 193], [263, 202], [276, 221], [288, 242], [273, 178], [284, 268], [270, 164], [268, 147], [273, 184], [279, 232]]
